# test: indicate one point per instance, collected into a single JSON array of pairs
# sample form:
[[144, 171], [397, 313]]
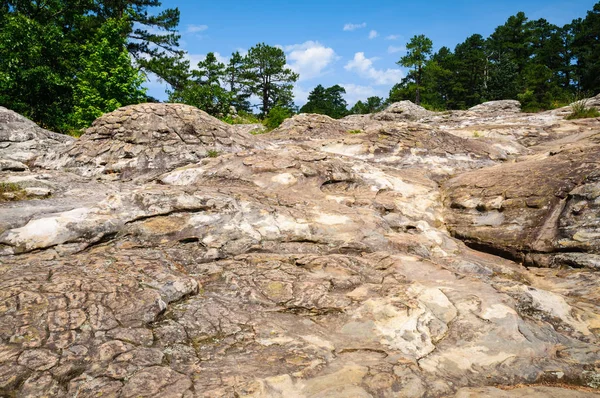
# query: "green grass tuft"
[[355, 132], [212, 153], [580, 110]]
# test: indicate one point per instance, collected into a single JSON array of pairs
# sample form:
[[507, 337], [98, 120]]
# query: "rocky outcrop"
[[492, 107], [21, 141], [403, 110], [541, 210], [148, 139], [308, 126], [302, 264]]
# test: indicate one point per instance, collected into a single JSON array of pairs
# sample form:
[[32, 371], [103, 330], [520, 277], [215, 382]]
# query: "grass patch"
[[580, 110], [212, 153], [477, 134], [11, 191], [355, 132], [242, 118]]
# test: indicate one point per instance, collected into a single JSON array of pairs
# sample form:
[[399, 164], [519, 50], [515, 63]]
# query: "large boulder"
[[21, 140], [542, 210], [148, 139], [403, 110], [308, 126], [493, 107]]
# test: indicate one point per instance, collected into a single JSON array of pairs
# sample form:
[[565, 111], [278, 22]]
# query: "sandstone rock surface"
[[21, 140], [326, 258]]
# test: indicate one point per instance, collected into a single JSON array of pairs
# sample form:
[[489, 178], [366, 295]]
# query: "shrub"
[[276, 116], [580, 110]]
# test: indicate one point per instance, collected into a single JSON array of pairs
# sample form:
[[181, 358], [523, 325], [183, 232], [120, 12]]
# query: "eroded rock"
[[318, 260]]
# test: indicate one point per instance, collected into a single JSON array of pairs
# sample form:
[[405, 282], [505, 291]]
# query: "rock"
[[147, 139], [403, 110], [308, 126], [21, 140], [39, 192], [12, 165], [530, 392], [491, 107], [326, 258], [533, 209]]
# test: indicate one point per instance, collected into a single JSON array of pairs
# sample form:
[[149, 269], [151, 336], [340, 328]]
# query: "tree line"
[[538, 63]]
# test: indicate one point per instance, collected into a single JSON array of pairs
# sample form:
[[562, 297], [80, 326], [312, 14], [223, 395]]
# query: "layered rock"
[[148, 139], [542, 210], [302, 264], [403, 110], [21, 141]]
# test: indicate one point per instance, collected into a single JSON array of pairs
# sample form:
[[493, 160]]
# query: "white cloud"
[[309, 59], [373, 34], [300, 95], [395, 49], [195, 28], [392, 37], [195, 58], [355, 93], [363, 66], [352, 26]]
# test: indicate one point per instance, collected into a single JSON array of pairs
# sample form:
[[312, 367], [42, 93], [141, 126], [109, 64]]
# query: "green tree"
[[512, 41], [107, 80], [44, 47], [587, 51], [203, 88], [36, 69], [268, 77], [371, 105], [235, 80], [470, 64], [327, 101], [418, 52]]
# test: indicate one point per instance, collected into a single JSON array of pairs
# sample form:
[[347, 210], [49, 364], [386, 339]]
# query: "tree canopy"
[[327, 101]]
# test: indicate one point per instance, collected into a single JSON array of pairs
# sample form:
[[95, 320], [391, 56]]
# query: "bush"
[[580, 110], [276, 116]]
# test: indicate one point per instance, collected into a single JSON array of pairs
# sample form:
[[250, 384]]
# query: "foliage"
[[54, 54], [268, 77], [355, 132], [203, 88], [276, 116], [107, 79], [418, 52], [241, 118], [580, 110], [11, 191], [238, 86], [371, 105], [212, 153], [327, 101], [534, 61]]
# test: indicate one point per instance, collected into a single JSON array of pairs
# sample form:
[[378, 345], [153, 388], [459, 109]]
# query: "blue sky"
[[352, 43]]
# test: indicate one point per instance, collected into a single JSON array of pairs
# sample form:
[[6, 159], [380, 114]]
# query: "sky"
[[355, 44]]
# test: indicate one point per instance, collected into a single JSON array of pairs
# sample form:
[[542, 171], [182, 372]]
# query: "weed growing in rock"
[[580, 110], [355, 132], [212, 153], [11, 191]]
